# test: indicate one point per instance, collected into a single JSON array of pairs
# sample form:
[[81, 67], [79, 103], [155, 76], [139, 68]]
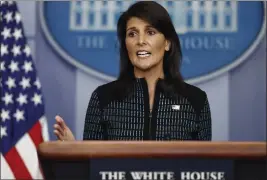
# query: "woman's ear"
[[168, 45]]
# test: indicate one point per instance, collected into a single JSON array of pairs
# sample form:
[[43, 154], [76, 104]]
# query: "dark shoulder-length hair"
[[158, 17]]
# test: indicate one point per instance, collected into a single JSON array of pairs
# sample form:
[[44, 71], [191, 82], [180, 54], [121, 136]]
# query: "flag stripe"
[[6, 172], [35, 134], [37, 138], [27, 150], [17, 165], [44, 126]]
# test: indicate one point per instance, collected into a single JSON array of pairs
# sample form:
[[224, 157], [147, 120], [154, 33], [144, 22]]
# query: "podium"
[[179, 160]]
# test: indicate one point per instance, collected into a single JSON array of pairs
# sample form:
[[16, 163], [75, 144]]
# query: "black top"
[[111, 116]]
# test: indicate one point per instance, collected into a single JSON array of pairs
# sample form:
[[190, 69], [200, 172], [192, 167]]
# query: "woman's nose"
[[141, 39]]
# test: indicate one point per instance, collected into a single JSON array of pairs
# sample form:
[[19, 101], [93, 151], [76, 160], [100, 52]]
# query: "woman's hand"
[[62, 131]]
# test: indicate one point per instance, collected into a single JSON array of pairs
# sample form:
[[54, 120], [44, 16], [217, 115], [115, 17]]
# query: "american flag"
[[23, 123]]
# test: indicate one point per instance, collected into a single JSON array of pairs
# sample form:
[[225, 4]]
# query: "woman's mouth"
[[143, 53]]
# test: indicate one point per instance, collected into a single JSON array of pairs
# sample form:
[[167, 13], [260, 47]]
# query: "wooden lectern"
[[86, 159]]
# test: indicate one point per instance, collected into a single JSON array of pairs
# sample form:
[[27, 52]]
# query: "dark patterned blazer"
[[111, 116]]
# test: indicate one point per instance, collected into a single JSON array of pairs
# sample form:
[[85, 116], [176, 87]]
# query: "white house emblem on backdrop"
[[215, 35], [200, 16]]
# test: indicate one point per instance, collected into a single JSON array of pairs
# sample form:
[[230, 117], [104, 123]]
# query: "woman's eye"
[[131, 34], [151, 32]]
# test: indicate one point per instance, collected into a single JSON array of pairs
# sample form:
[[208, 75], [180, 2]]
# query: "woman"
[[149, 100]]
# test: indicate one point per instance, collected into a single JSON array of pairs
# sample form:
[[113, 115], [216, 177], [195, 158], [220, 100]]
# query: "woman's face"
[[145, 45]]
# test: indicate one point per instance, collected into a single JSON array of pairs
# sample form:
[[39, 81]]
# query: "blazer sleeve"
[[204, 127], [93, 129]]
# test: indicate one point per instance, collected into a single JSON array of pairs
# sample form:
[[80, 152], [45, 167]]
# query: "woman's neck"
[[151, 76]]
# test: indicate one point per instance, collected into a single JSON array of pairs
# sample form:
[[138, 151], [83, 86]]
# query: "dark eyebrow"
[[134, 28], [131, 28]]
